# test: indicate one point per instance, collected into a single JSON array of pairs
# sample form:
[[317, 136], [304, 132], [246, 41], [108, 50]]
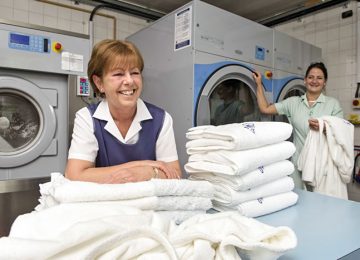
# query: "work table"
[[326, 227]]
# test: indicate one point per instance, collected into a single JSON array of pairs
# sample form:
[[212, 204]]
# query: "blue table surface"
[[326, 227]]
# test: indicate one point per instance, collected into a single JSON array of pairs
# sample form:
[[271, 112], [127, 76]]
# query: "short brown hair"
[[110, 54]]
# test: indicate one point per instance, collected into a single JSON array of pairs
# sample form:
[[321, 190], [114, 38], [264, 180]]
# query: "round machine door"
[[27, 122], [228, 97], [292, 88]]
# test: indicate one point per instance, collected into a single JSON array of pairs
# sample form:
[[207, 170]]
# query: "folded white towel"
[[260, 176], [238, 136], [62, 190], [263, 206], [126, 233], [157, 203], [228, 197], [239, 162]]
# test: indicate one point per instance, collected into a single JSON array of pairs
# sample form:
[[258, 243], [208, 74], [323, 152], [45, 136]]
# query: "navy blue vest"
[[113, 152]]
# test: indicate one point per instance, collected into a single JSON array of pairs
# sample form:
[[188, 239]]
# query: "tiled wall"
[[336, 36], [66, 15]]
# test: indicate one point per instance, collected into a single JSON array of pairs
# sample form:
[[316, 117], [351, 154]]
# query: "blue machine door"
[[292, 88], [27, 121], [228, 96]]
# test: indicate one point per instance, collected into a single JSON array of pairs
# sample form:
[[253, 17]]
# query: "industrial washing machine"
[[195, 57], [35, 65]]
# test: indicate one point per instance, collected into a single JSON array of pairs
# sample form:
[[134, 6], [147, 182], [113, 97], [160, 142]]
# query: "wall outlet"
[[356, 103]]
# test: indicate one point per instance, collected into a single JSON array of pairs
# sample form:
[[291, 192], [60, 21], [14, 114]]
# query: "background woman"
[[302, 111]]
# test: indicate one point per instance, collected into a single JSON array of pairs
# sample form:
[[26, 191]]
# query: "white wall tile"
[[64, 13], [36, 7], [6, 13], [50, 10], [7, 3], [21, 16], [21, 5], [50, 21], [36, 18]]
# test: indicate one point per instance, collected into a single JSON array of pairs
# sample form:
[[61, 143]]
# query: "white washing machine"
[[192, 54], [35, 65]]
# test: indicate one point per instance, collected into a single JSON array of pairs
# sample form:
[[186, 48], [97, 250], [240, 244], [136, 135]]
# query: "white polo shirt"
[[84, 145]]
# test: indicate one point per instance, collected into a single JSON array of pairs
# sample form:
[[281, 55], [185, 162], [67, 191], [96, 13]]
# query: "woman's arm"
[[261, 99], [135, 171]]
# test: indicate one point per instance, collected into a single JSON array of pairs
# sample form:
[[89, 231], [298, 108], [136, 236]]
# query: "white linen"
[[237, 136], [263, 206], [226, 196], [127, 233], [239, 162], [326, 161], [262, 175], [62, 190]]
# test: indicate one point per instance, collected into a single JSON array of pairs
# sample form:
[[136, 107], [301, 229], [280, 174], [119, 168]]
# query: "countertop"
[[326, 227]]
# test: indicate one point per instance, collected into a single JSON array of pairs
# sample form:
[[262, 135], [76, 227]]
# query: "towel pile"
[[177, 199], [247, 164]]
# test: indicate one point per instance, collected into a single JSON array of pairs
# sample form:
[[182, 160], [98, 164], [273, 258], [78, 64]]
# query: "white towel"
[[262, 175], [239, 162], [62, 190], [126, 233], [157, 203], [326, 161], [228, 197], [263, 206], [238, 136]]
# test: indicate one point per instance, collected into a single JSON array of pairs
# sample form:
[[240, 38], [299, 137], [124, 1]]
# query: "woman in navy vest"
[[121, 138]]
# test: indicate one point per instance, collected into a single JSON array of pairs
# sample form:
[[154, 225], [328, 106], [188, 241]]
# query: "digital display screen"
[[19, 39]]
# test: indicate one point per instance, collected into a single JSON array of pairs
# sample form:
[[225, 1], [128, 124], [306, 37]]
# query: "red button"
[[355, 103], [268, 74], [57, 46]]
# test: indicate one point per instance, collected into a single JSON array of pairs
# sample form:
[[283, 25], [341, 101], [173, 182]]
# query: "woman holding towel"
[[121, 138], [302, 111]]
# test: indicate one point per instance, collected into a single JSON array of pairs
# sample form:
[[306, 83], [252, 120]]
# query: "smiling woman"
[[122, 138], [302, 112]]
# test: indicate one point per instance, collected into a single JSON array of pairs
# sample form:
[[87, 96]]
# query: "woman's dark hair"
[[318, 65]]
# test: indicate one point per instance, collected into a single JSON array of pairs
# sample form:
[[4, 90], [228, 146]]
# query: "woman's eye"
[[119, 74], [135, 73]]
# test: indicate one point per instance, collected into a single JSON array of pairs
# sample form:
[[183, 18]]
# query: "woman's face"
[[122, 86], [315, 81]]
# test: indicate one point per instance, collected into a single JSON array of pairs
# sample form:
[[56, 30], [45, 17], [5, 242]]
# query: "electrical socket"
[[356, 103]]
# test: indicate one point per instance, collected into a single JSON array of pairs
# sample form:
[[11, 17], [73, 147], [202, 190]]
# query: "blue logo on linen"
[[250, 126]]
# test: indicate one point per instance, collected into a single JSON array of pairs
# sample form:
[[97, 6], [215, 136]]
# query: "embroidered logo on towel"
[[260, 200], [261, 169], [250, 126]]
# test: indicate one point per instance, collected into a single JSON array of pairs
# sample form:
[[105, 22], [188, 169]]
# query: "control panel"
[[42, 49], [28, 42], [82, 86]]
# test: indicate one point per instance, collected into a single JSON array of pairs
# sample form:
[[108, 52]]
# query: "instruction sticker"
[[72, 62], [183, 28]]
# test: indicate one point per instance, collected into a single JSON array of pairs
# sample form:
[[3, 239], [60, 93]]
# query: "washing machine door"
[[228, 96], [27, 121], [292, 88]]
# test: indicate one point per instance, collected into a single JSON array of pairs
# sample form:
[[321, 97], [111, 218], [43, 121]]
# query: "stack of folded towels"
[[176, 199], [247, 164]]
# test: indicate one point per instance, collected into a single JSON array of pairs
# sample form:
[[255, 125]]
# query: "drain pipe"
[[91, 25]]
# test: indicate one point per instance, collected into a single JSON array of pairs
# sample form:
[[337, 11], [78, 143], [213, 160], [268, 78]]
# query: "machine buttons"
[[268, 74], [57, 47], [82, 86]]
